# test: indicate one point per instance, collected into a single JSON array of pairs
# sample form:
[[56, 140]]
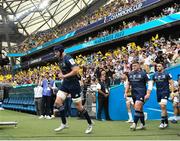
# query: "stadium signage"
[[132, 9], [123, 12], [109, 37], [35, 61], [40, 59]]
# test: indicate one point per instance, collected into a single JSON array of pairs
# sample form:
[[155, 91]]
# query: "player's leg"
[[82, 110], [142, 119], [58, 105], [164, 115], [138, 106], [128, 105], [176, 108]]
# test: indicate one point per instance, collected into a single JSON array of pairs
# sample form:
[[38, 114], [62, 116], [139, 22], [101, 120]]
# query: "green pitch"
[[31, 128]]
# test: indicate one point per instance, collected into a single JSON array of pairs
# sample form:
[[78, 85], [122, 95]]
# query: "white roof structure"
[[32, 16]]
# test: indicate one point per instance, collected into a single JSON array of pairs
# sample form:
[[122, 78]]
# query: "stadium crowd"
[[45, 36], [114, 62]]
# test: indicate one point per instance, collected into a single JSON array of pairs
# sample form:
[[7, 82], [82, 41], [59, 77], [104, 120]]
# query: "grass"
[[31, 128]]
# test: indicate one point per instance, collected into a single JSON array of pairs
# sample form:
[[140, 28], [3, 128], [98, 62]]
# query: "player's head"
[[159, 67], [135, 66], [58, 50]]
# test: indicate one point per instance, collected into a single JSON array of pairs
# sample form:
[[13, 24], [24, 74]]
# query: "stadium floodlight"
[[43, 4]]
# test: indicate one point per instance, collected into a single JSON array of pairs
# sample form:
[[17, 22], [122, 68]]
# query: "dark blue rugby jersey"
[[162, 82], [66, 65], [138, 82]]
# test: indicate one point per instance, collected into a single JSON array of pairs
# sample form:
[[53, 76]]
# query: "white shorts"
[[129, 99], [76, 100], [163, 101], [61, 94]]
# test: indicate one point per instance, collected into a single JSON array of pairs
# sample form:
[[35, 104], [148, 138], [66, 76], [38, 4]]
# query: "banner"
[[43, 58], [129, 10]]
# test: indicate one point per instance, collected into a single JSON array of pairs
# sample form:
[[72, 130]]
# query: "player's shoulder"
[[143, 72], [167, 74], [70, 60]]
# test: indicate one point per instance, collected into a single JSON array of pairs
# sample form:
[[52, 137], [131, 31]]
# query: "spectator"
[[103, 93], [47, 85], [38, 98]]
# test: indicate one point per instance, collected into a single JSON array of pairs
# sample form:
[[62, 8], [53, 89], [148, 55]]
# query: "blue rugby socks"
[[86, 115]]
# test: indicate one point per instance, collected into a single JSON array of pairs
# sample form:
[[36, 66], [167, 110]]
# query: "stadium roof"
[[38, 15]]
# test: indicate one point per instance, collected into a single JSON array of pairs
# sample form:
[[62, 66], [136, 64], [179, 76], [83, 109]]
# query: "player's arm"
[[150, 87], [74, 71], [127, 89], [171, 82], [74, 68]]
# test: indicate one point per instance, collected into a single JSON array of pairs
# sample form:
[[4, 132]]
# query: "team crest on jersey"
[[163, 76], [139, 76], [72, 61]]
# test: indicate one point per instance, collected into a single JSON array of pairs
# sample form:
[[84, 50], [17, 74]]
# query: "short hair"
[[160, 64], [135, 62]]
